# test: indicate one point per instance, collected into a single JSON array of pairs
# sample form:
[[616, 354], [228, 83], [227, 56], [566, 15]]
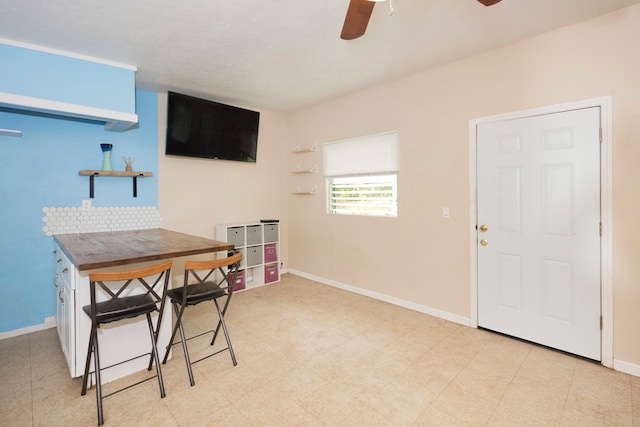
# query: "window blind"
[[374, 154]]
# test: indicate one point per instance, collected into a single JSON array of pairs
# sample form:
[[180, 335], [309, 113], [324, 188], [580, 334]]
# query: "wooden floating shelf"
[[98, 172], [92, 173]]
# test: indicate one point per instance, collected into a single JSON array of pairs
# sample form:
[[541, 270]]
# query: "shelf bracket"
[[135, 185], [91, 185]]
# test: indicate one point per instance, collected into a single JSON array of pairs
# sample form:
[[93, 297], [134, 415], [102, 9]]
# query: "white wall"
[[197, 194], [422, 258]]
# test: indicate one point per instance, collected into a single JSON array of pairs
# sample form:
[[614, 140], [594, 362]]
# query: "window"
[[363, 195], [361, 175]]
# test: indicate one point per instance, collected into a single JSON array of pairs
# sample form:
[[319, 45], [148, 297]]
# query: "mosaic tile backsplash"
[[74, 220]]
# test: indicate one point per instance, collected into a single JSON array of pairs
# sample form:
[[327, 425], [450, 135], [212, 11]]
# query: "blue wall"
[[41, 170], [39, 74]]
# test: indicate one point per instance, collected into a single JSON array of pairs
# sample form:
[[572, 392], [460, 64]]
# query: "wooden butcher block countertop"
[[90, 251]]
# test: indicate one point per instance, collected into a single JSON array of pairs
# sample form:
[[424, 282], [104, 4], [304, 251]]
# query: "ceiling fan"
[[359, 12]]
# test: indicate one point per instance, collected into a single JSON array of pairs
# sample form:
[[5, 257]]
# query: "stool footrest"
[[130, 386], [210, 355]]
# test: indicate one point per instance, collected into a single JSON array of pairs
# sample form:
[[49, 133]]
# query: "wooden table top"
[[90, 251]]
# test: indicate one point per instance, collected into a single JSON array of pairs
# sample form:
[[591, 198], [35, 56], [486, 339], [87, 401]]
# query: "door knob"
[[484, 242], [483, 228]]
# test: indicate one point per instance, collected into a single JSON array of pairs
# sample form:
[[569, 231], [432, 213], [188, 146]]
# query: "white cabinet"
[[119, 341], [64, 282], [260, 246]]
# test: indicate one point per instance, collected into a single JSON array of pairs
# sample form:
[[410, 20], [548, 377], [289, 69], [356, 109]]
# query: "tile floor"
[[313, 355]]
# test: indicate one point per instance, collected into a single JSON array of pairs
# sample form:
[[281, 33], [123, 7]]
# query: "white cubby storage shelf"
[[259, 243]]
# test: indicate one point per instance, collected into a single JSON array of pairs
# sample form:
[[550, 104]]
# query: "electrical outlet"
[[86, 205]]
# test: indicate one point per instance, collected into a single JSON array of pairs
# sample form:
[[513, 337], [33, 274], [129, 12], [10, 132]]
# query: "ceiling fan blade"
[[355, 23], [489, 2]]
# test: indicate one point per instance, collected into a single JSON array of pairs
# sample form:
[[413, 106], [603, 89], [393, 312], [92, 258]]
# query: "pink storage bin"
[[239, 280], [270, 253], [271, 273]]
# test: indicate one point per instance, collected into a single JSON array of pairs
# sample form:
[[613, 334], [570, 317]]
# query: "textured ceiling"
[[280, 55]]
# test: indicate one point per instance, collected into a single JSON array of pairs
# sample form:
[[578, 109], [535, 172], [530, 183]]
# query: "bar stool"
[[206, 287], [121, 304]]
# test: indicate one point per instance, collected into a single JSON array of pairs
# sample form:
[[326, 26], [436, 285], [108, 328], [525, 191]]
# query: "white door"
[[539, 229]]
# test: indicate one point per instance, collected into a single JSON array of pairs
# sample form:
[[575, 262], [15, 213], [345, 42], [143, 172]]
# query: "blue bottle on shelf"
[[106, 156]]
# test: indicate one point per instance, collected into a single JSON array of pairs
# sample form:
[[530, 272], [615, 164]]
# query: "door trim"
[[606, 208]]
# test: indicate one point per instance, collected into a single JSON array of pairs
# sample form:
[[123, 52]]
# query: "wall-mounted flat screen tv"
[[210, 130]]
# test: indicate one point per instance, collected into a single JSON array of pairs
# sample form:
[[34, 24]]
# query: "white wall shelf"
[[300, 150], [305, 182], [259, 243], [311, 192], [11, 132], [114, 121], [298, 169]]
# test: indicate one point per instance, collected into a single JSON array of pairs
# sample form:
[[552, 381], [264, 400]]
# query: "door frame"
[[606, 210]]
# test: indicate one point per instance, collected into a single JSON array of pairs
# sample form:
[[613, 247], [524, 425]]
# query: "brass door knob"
[[483, 228], [484, 242]]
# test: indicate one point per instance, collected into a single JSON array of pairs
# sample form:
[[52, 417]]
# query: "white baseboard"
[[626, 367], [386, 298], [49, 322], [618, 365]]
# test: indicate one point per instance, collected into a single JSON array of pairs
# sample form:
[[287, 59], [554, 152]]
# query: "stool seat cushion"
[[122, 308], [197, 293]]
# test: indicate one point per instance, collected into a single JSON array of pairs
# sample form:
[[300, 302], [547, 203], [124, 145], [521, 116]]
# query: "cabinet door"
[[64, 280], [66, 304], [66, 322], [59, 310]]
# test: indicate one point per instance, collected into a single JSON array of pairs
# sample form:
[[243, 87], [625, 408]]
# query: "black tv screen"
[[210, 130]]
